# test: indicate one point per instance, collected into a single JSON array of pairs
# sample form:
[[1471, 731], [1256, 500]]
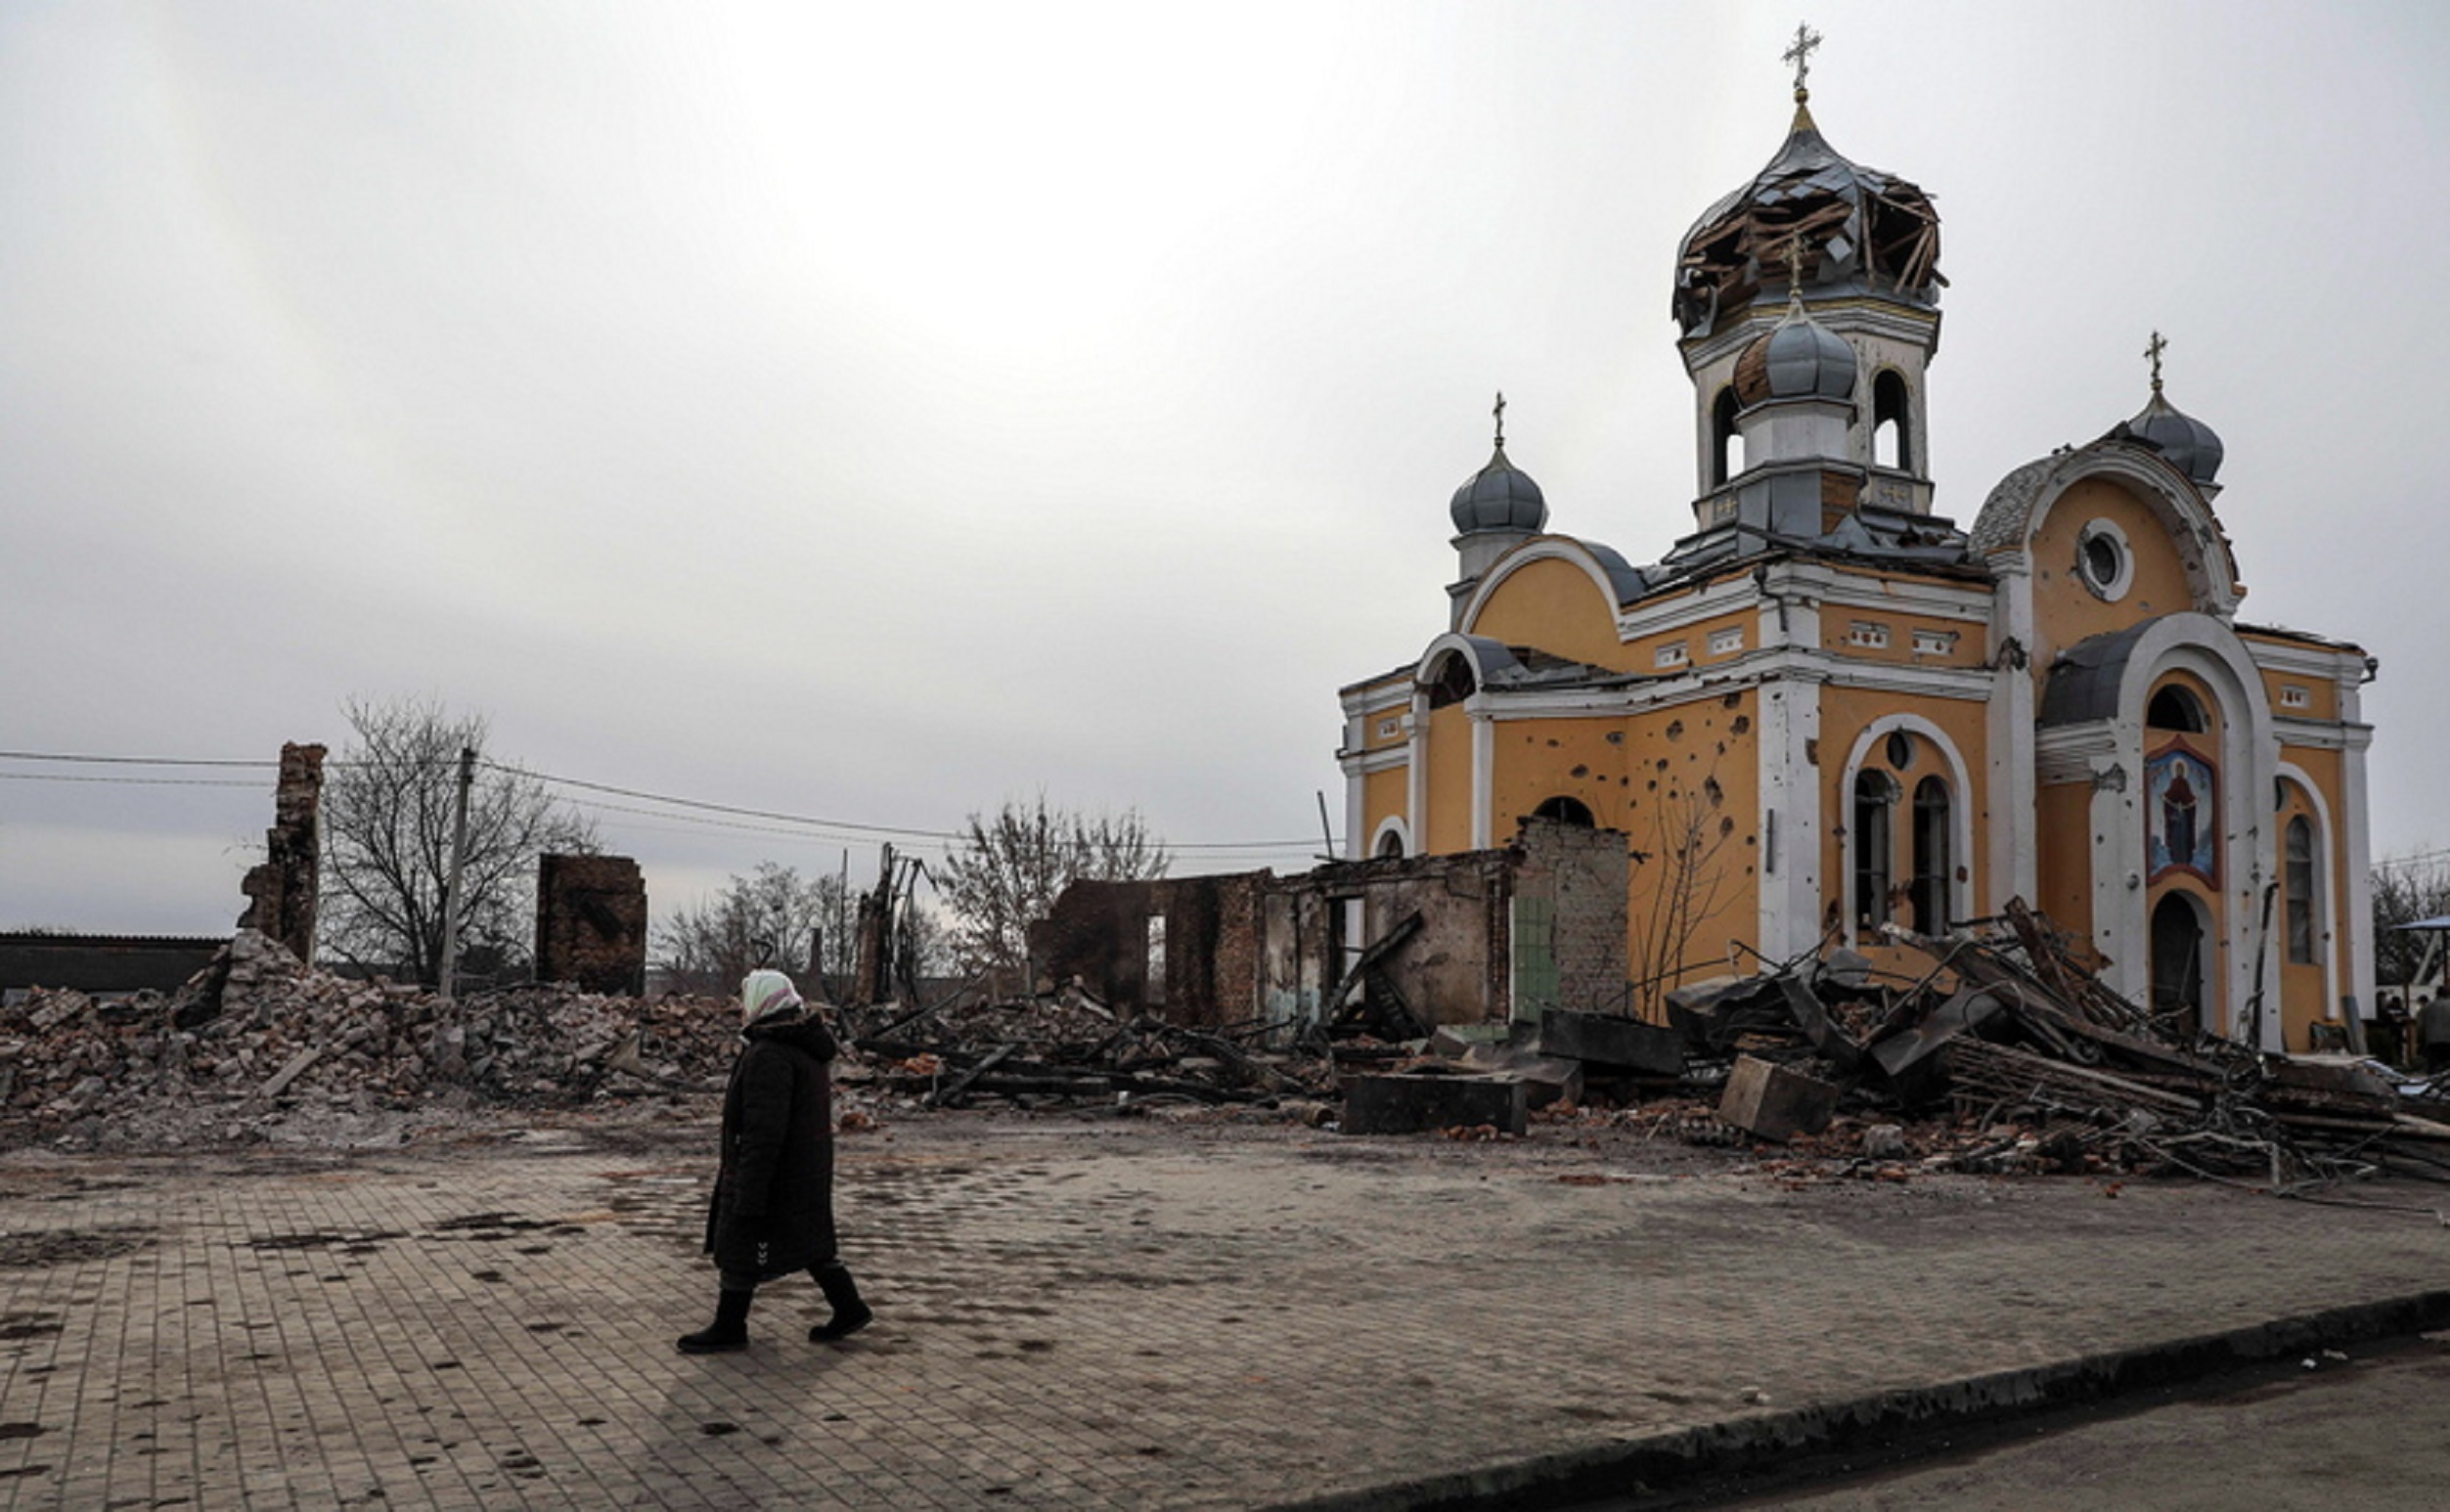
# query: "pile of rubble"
[[258, 1030], [1069, 1049], [2005, 1053]]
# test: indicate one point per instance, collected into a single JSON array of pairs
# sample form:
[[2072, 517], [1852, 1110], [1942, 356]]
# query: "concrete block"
[[1711, 1015], [1614, 1044], [1770, 1102], [1415, 1104], [1551, 1078], [1457, 1040]]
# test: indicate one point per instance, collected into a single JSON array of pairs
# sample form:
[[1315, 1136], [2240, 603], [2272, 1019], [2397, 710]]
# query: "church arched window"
[[1391, 846], [1892, 442], [2299, 877], [1927, 892], [1452, 683], [1566, 811], [2176, 708], [1875, 806], [1725, 445]]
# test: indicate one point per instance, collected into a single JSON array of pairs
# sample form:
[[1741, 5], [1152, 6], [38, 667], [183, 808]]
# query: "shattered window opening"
[[2301, 889], [1928, 893], [1452, 683], [1726, 444], [1874, 802], [2175, 708], [1893, 444]]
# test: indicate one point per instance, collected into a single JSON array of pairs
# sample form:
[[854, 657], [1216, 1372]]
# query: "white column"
[[1416, 776], [2360, 848], [1789, 710], [1484, 770], [2013, 855]]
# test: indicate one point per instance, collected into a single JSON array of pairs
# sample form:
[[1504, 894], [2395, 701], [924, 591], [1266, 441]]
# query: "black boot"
[[850, 1314], [730, 1329]]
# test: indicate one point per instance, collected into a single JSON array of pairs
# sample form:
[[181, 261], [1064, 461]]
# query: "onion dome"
[[1863, 230], [1500, 496], [2183, 441], [1799, 358]]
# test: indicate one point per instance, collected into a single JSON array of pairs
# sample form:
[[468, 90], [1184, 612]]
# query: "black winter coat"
[[772, 1207]]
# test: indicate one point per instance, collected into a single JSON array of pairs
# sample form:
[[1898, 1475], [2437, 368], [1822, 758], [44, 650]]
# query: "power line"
[[897, 832], [840, 826], [133, 761], [129, 781], [723, 808]]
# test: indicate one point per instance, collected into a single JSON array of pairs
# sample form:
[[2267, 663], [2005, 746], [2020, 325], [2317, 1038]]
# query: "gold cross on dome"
[[2153, 349], [1501, 412], [1801, 54]]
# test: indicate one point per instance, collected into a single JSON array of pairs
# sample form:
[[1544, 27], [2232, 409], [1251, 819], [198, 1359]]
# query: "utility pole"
[[451, 910]]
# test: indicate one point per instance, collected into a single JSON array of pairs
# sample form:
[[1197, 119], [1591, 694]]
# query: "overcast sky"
[[876, 412]]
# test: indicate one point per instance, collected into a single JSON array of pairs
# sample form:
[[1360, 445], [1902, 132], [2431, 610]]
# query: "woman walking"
[[772, 1207]]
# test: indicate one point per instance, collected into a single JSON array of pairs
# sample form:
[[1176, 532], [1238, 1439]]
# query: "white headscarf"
[[766, 994]]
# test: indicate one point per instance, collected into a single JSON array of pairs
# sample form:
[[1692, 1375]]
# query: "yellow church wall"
[[1384, 795], [1554, 605], [1651, 775], [1540, 759], [1696, 766], [1895, 630], [2066, 610], [2062, 833], [2320, 694], [1447, 824], [1642, 653]]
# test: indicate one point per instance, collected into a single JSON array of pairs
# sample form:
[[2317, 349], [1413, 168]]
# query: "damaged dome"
[[1796, 359], [1862, 230]]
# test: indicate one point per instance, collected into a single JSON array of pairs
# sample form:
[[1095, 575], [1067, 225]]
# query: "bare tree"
[[2404, 891], [770, 918], [1006, 869], [387, 814], [1688, 829]]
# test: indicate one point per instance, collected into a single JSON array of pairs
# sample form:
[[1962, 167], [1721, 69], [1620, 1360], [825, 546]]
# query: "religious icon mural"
[[2183, 824]]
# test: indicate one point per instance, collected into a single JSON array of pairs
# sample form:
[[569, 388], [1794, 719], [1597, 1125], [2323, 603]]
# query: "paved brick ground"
[[1069, 1315]]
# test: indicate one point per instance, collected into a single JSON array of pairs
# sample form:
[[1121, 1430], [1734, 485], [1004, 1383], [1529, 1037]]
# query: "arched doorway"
[[1566, 810], [2177, 946]]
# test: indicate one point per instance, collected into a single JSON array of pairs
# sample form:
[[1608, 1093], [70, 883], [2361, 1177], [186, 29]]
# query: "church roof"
[[2083, 682], [2190, 446]]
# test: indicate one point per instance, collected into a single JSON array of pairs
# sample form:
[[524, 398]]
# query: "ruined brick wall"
[[1101, 934], [1234, 961], [1453, 971], [1096, 934], [1581, 874], [590, 922], [281, 890]]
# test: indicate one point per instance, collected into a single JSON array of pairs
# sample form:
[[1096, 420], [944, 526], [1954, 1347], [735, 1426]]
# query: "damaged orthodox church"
[[1828, 708]]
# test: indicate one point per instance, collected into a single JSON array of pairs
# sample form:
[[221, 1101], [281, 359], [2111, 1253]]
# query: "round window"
[[1901, 749], [2103, 560]]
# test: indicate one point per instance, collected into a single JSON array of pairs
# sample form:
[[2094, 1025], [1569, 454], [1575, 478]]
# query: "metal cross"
[[2153, 349], [1500, 413], [1801, 54]]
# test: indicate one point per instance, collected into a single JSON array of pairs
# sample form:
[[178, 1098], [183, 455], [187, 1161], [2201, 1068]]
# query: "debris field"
[[2004, 1055]]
